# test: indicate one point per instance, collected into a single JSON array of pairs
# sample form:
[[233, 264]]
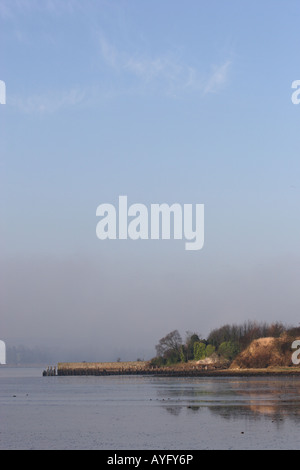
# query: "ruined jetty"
[[129, 368], [102, 368], [191, 369]]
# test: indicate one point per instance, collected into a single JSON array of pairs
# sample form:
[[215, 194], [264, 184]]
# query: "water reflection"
[[275, 399]]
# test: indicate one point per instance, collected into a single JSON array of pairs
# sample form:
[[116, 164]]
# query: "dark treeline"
[[225, 342], [244, 334]]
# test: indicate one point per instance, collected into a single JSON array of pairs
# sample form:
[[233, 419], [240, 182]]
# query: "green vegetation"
[[210, 349], [229, 350], [225, 343], [199, 351]]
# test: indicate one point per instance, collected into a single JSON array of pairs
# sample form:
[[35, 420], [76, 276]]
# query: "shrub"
[[210, 349], [199, 351], [228, 350], [157, 362], [182, 354]]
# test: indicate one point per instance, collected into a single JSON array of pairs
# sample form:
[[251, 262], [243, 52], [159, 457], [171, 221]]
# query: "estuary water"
[[140, 413]]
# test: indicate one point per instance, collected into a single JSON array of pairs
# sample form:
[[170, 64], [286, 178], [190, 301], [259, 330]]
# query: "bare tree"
[[171, 343]]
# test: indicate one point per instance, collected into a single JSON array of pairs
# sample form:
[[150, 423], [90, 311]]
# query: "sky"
[[165, 102]]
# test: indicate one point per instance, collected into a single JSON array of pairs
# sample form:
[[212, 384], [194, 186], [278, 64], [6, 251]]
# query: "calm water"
[[147, 413]]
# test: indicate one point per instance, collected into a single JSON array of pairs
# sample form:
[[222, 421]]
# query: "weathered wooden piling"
[[50, 372]]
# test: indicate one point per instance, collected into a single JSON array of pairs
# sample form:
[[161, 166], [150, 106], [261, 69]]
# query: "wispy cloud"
[[49, 102], [167, 70], [109, 52], [10, 9], [218, 78], [159, 67]]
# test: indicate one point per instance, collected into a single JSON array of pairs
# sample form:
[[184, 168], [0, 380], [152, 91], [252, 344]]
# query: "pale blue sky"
[[164, 101]]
